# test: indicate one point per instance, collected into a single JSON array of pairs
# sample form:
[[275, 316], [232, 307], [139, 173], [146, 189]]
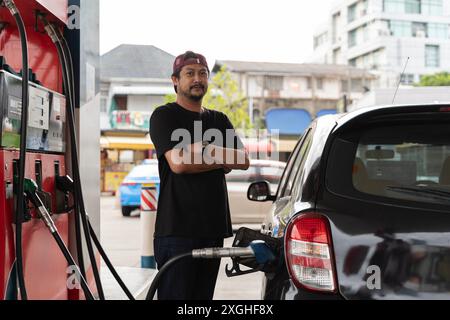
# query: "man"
[[195, 150]]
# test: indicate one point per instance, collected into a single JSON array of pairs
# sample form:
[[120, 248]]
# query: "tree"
[[435, 80], [224, 96]]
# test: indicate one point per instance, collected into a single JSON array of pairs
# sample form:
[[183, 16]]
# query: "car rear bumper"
[[278, 289]]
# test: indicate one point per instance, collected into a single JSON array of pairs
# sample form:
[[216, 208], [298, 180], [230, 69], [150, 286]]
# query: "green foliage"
[[435, 80], [170, 98], [224, 96]]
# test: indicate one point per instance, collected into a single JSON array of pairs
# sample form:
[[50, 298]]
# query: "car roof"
[[360, 114]]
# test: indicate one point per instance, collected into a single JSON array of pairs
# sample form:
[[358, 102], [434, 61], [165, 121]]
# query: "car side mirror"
[[260, 192]]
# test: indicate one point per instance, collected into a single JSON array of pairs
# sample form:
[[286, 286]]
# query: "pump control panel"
[[46, 116]]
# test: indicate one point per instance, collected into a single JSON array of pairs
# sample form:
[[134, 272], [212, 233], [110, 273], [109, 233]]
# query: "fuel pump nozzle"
[[31, 191], [257, 249]]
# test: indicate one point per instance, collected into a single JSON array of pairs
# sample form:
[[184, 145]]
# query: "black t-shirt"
[[190, 205]]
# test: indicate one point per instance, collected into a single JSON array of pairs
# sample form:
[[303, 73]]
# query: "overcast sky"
[[252, 30]]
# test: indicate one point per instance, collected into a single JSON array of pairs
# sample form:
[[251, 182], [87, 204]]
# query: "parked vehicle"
[[130, 188], [242, 210], [363, 208]]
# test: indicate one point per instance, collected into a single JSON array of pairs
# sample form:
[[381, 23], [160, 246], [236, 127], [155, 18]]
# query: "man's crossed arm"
[[194, 159]]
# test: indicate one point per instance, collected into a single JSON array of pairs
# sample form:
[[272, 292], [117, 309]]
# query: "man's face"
[[193, 82]]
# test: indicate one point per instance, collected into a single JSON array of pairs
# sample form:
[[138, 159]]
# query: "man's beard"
[[195, 97]]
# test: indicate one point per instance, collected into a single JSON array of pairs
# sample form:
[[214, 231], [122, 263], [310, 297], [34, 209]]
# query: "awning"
[[126, 143], [291, 122]]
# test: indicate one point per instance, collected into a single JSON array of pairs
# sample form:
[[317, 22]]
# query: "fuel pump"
[[33, 145]]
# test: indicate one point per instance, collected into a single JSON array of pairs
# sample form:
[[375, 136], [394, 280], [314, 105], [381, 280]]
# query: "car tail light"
[[309, 253]]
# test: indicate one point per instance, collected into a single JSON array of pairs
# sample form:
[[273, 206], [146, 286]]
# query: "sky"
[[246, 30]]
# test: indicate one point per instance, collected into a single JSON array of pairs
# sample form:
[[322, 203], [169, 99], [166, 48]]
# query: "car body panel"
[[365, 233]]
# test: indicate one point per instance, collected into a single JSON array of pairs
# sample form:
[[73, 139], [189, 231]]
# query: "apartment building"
[[385, 36]]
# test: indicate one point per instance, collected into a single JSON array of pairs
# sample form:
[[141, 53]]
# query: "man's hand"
[[226, 170]]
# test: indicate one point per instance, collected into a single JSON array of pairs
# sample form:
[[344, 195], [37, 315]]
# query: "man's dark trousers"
[[187, 279]]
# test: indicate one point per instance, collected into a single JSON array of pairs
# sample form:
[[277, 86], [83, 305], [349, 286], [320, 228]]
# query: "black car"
[[363, 208]]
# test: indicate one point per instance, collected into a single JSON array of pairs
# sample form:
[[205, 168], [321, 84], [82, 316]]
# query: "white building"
[[134, 81], [312, 87], [381, 34]]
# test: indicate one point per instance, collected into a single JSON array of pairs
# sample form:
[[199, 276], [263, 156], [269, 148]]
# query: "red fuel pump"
[[45, 269]]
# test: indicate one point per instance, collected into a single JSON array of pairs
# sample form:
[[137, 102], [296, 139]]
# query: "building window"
[[336, 19], [344, 85], [351, 13], [407, 79], [432, 56], [400, 28], [432, 7], [394, 6], [274, 83], [320, 39], [319, 84], [352, 38], [309, 83], [356, 85], [412, 6], [365, 7], [438, 30], [336, 56], [419, 29]]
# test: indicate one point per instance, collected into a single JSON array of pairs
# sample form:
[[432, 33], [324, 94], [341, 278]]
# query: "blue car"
[[130, 188]]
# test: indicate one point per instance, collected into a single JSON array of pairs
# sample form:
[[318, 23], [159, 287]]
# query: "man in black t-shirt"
[[196, 147]]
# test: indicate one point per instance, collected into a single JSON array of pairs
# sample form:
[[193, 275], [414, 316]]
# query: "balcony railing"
[[130, 120]]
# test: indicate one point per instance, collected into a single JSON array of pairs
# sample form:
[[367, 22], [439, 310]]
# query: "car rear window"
[[407, 162]]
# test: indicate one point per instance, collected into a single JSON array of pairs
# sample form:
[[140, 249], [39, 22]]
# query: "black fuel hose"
[[76, 173], [151, 292], [99, 247], [109, 264], [66, 61], [20, 204], [93, 236], [70, 92], [72, 263], [47, 219]]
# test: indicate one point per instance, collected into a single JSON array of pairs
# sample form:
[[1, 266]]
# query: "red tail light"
[[309, 253]]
